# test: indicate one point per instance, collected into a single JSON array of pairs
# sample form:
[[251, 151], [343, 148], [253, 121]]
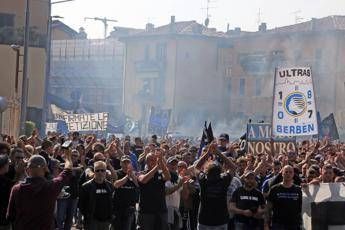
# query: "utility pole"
[[25, 86], [105, 23], [259, 17], [208, 7], [47, 70]]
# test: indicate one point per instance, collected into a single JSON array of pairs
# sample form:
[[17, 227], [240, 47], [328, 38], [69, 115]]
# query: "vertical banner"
[[294, 110], [51, 127], [159, 120], [329, 128]]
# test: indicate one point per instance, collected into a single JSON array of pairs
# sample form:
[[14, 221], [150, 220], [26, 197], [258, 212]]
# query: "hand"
[[130, 171], [247, 213], [213, 147], [258, 215], [68, 159]]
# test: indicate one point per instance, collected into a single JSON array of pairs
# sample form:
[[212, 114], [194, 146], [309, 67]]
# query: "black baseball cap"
[[224, 136]]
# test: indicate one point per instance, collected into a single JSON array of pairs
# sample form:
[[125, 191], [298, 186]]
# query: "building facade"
[[249, 65], [12, 21], [87, 76], [174, 67]]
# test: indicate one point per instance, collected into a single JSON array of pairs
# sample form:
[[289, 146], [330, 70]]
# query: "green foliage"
[[29, 127]]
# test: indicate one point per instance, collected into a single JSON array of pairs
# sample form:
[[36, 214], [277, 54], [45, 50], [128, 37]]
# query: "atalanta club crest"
[[295, 104]]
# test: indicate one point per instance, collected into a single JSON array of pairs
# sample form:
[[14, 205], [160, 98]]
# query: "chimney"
[[150, 27], [313, 23], [172, 19], [263, 27], [227, 27], [237, 30]]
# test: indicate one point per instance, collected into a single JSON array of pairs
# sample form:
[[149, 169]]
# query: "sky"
[[238, 13]]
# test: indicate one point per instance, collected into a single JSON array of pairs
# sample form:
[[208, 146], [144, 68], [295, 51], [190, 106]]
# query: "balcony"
[[11, 35], [149, 68]]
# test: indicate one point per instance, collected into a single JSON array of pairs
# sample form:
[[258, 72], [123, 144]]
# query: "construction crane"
[[105, 22]]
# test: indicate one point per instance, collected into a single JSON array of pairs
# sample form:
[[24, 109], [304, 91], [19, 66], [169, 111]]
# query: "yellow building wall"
[[58, 34], [36, 74], [38, 13]]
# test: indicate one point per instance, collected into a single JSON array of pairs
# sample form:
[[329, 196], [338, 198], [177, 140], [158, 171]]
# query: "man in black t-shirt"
[[152, 205], [125, 196], [285, 202], [213, 211], [247, 203], [95, 201]]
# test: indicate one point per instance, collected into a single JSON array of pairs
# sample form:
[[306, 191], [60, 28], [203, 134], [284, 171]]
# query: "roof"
[[57, 24], [119, 31], [181, 28], [321, 24]]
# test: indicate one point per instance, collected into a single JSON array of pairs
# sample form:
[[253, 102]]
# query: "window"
[[6, 20], [242, 87], [228, 72], [147, 52], [254, 63], [228, 86], [257, 87], [161, 51]]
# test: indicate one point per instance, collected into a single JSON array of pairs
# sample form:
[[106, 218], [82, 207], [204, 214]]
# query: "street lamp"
[[16, 48], [25, 88], [47, 73]]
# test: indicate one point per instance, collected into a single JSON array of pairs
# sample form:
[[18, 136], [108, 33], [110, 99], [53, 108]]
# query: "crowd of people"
[[58, 182]]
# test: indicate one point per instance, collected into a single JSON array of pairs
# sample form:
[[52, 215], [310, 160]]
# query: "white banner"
[[323, 206], [51, 127], [87, 121], [294, 112], [58, 113]]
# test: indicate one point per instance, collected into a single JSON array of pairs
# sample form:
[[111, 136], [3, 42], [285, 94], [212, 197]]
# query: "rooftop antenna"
[[298, 19], [259, 17], [208, 7], [105, 23]]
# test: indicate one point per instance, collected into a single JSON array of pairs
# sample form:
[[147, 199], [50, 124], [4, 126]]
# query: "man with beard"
[[247, 203]]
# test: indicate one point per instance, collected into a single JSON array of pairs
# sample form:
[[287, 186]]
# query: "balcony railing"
[[11, 35], [149, 66]]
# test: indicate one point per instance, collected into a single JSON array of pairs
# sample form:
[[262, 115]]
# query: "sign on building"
[[87, 122], [323, 206], [259, 138], [294, 112], [51, 127]]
